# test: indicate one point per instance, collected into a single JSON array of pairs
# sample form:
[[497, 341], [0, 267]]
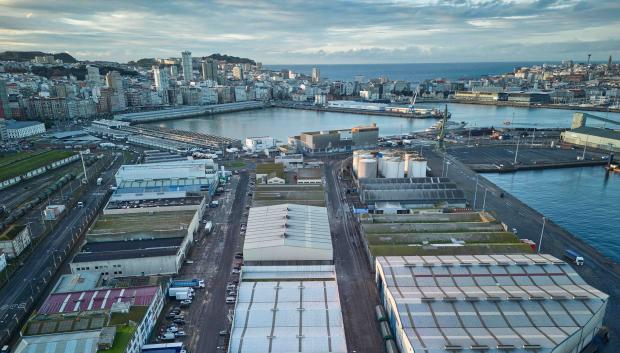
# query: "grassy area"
[[418, 238], [236, 164], [142, 222], [268, 168], [12, 158], [469, 249], [11, 232], [121, 339], [15, 167]]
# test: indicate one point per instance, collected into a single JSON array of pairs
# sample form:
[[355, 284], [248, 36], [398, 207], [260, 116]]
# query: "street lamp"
[[476, 192], [517, 150], [542, 231], [484, 201]]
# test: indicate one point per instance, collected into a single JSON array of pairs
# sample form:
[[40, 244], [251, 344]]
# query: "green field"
[[21, 163], [121, 340], [469, 249]]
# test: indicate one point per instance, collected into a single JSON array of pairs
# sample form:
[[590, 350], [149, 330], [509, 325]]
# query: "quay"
[[347, 110], [187, 112], [519, 105], [598, 270]]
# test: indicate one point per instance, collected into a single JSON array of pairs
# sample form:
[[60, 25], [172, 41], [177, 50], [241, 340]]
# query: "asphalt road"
[[30, 282], [358, 293], [598, 271], [212, 260]]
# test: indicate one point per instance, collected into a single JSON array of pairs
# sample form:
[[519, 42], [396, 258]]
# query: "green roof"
[[132, 226], [121, 339]]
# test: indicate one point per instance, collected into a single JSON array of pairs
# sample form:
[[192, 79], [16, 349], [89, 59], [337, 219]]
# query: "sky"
[[317, 31]]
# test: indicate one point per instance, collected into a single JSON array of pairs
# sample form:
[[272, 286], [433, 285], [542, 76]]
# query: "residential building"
[[5, 109], [186, 64], [316, 74], [160, 77], [237, 73], [209, 70], [93, 78]]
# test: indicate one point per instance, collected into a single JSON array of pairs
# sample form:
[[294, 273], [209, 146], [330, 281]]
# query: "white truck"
[[208, 227]]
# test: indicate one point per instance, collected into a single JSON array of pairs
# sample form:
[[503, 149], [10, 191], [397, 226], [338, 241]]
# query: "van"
[[168, 336]]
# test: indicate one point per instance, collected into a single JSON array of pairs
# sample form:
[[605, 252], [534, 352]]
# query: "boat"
[[613, 167]]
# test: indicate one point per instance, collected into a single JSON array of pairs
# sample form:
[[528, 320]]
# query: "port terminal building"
[[488, 303], [593, 137], [335, 141]]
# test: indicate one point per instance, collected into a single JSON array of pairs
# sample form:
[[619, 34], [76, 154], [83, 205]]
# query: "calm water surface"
[[582, 200], [282, 123]]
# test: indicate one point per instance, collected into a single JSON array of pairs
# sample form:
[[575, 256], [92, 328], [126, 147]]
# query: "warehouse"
[[21, 129], [498, 303], [130, 258], [327, 141], [202, 168], [397, 195], [288, 309], [288, 234]]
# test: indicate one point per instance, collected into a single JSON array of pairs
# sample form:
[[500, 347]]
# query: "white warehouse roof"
[[491, 303], [288, 316], [288, 232]]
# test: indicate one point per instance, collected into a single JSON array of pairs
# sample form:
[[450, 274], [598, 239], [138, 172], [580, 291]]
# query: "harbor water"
[[282, 123], [582, 200]]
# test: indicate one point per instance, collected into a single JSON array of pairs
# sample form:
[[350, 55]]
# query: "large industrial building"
[[21, 129], [329, 141], [288, 234], [398, 195], [488, 303], [593, 137], [90, 321]]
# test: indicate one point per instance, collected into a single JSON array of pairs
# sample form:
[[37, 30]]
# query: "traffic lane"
[[357, 291]]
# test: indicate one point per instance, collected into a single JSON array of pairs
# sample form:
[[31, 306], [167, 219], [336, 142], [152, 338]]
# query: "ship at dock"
[[404, 110]]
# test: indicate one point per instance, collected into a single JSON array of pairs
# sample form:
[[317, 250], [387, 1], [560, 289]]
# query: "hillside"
[[29, 55], [230, 59], [79, 72]]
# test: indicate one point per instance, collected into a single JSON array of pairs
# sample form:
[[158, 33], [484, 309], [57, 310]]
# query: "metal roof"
[[305, 272], [80, 342], [531, 303], [289, 316], [288, 225], [97, 299]]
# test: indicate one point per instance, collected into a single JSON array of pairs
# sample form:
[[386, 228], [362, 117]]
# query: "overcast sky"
[[317, 31]]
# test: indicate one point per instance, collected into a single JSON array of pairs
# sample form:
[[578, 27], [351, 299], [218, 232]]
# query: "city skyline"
[[340, 32]]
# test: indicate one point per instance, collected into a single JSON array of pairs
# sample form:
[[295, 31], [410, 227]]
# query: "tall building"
[[209, 70], [237, 73], [186, 62], [5, 110], [174, 71], [316, 74], [160, 77], [92, 75], [114, 80], [3, 130]]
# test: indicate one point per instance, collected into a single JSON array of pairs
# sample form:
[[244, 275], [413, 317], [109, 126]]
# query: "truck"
[[188, 283], [174, 290], [208, 227], [574, 257], [183, 296], [99, 181]]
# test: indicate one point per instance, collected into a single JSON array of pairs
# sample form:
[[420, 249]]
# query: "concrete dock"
[[598, 270]]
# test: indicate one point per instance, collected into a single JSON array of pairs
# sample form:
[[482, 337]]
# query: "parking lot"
[[216, 259]]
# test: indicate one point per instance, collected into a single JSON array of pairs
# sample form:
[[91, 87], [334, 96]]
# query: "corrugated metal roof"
[[97, 299], [288, 225], [488, 300], [290, 316], [82, 342]]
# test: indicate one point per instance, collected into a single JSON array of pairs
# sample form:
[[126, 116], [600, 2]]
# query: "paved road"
[[358, 293], [29, 282], [598, 271], [212, 257]]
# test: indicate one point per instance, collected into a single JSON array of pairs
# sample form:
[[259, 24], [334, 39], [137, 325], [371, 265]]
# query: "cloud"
[[337, 31]]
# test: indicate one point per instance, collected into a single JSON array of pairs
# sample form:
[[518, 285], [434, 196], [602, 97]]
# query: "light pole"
[[476, 192], [542, 231], [517, 150], [484, 200], [84, 166], [443, 164]]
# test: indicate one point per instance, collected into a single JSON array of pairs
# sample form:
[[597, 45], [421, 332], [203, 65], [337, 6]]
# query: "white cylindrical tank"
[[384, 155], [408, 157], [394, 167], [356, 159], [367, 168], [417, 168]]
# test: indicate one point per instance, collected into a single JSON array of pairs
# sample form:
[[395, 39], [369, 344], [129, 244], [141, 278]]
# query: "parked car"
[[235, 271], [231, 287], [232, 293], [231, 300], [239, 255], [179, 321], [185, 303], [172, 328], [224, 333], [180, 334]]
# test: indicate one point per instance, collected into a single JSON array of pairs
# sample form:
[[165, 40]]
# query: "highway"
[[598, 271], [30, 282], [358, 293]]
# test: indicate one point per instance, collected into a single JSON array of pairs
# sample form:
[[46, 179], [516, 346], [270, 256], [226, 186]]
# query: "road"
[[598, 271], [358, 293], [211, 259], [30, 282]]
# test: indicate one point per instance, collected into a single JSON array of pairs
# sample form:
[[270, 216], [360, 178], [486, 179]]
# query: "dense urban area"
[[118, 236]]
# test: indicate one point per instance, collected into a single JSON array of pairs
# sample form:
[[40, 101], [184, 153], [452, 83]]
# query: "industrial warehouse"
[[513, 303]]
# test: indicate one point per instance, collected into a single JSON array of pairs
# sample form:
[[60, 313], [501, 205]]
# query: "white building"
[[290, 160], [186, 63], [259, 144], [14, 240], [2, 260], [21, 129], [160, 76], [517, 303], [201, 168], [288, 234]]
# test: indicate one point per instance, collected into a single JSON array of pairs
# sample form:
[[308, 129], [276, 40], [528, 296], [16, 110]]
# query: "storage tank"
[[382, 156], [417, 168], [408, 157], [393, 167], [356, 159], [367, 168]]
